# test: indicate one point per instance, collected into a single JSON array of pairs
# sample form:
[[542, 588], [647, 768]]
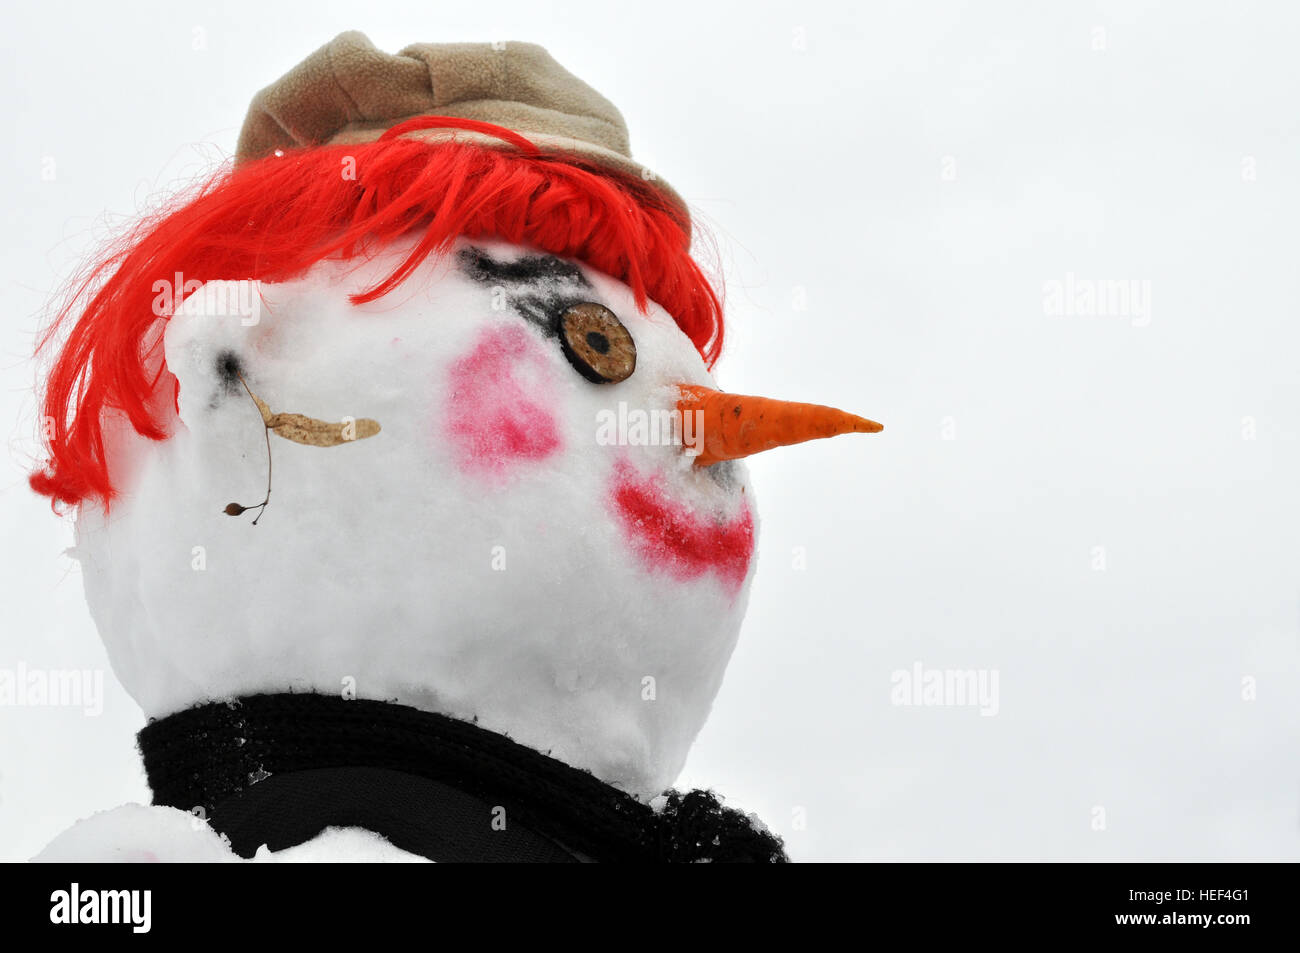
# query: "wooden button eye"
[[597, 344]]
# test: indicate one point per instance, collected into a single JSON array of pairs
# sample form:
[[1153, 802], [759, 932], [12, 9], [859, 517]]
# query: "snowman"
[[406, 504]]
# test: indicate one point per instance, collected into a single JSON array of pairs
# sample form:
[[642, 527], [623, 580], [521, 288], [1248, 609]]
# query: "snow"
[[135, 833], [340, 845], [470, 558]]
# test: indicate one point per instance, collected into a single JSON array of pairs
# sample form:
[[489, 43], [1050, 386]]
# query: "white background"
[[813, 139]]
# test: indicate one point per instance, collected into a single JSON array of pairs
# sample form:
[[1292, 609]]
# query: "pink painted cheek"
[[500, 397], [672, 538]]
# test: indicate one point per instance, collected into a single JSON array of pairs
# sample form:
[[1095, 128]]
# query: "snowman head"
[[422, 421]]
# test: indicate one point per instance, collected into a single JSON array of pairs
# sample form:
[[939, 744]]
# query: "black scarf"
[[279, 769]]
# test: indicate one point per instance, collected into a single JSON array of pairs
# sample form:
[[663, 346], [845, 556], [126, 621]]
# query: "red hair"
[[272, 219]]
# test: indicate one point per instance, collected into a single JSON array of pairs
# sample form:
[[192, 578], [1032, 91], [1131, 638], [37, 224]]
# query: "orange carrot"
[[731, 426]]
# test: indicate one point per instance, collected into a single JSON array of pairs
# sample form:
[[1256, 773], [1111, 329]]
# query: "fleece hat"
[[348, 91]]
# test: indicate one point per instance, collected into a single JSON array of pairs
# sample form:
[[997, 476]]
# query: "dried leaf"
[[261, 405], [300, 429], [321, 433]]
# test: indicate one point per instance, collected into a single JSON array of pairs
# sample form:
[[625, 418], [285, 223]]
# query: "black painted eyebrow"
[[539, 288], [481, 267]]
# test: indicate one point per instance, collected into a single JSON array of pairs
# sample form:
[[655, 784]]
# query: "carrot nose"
[[730, 426]]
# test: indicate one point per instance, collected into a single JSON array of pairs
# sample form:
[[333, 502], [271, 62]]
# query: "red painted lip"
[[672, 538]]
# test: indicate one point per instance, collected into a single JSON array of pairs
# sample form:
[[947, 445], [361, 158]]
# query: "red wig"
[[272, 219]]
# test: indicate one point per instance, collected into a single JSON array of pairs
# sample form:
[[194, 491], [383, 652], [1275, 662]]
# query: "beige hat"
[[349, 91]]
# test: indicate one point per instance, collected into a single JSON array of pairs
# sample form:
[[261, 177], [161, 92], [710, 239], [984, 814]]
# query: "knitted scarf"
[[278, 769]]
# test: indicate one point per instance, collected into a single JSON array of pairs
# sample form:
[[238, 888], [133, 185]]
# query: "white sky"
[[912, 174]]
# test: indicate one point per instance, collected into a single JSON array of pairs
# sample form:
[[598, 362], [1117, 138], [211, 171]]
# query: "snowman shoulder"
[[136, 833], [341, 845]]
